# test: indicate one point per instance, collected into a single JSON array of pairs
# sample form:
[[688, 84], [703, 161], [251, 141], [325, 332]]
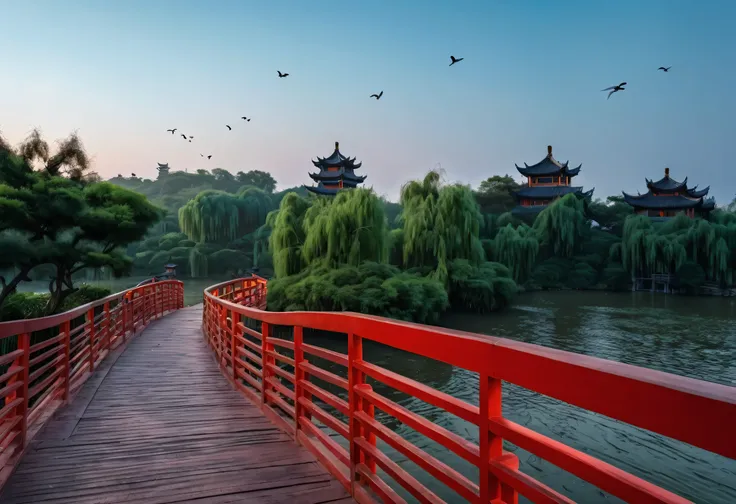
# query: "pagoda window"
[[333, 168], [545, 180]]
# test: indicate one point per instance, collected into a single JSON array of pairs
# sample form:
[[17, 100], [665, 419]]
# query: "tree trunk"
[[8, 289]]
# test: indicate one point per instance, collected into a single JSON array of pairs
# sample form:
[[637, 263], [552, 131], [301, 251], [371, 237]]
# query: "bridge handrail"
[[696, 412], [43, 361]]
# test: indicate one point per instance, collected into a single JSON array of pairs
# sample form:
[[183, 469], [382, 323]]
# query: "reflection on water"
[[693, 337]]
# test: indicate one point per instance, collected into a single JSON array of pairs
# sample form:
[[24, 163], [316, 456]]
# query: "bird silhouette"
[[190, 137], [455, 60], [228, 127], [201, 155], [190, 141], [377, 96], [245, 119], [184, 136], [133, 174], [282, 75], [664, 69], [172, 130], [614, 89], [209, 157]]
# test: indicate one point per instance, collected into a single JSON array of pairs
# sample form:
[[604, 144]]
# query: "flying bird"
[[184, 136], [282, 75], [377, 96], [209, 157], [664, 69], [133, 174], [455, 60], [228, 127], [191, 137], [614, 89], [172, 130], [245, 119], [201, 155]]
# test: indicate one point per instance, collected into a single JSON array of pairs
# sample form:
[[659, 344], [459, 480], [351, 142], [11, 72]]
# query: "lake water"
[[694, 337], [689, 336]]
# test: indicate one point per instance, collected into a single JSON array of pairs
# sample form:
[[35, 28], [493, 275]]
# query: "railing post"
[[491, 445], [24, 343], [124, 309], [105, 326], [66, 329], [265, 360], [234, 347], [223, 336], [355, 379], [298, 376], [91, 319]]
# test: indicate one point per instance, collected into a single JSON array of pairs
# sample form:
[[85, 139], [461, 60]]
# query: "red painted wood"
[[45, 375], [692, 411]]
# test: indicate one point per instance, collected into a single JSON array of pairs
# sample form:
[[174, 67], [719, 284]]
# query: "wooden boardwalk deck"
[[158, 424]]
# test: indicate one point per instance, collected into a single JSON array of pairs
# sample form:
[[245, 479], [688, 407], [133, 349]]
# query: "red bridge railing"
[[43, 361], [276, 372]]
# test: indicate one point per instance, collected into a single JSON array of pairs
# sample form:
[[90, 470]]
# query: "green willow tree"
[[350, 228], [517, 248], [440, 224], [563, 225], [217, 216], [287, 235]]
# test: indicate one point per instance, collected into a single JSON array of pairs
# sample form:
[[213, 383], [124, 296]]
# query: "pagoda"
[[336, 172], [546, 181], [163, 169], [667, 197]]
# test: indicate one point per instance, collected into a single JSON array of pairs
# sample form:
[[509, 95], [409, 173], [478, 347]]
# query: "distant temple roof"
[[337, 175], [670, 194], [336, 159], [163, 166], [548, 166], [550, 192]]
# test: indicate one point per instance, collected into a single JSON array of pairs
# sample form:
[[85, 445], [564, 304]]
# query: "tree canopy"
[[58, 217]]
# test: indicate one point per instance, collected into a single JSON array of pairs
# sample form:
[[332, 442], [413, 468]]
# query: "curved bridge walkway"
[[158, 424]]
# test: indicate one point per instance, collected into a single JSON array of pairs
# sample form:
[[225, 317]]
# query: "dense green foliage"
[[59, 218], [371, 288], [25, 305]]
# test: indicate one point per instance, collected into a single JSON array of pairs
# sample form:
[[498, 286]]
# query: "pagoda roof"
[[549, 192], [695, 193], [337, 159], [346, 175], [322, 190], [548, 166], [654, 201]]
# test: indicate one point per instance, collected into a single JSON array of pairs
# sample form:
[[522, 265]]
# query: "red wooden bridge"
[[95, 411]]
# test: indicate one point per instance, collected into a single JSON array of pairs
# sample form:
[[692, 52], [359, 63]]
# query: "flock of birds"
[[377, 96], [620, 87]]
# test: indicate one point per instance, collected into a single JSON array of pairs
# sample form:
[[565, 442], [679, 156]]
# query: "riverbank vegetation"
[[442, 246]]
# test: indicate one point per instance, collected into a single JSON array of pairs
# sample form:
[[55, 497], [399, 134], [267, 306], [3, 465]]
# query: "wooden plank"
[[159, 424]]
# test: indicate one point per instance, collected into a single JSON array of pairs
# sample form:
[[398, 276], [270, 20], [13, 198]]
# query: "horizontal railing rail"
[[44, 361], [265, 356]]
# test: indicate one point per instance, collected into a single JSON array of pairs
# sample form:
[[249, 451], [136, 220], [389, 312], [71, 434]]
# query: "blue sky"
[[121, 73]]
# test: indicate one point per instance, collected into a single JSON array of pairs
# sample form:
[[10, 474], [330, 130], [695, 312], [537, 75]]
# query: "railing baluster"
[[298, 376], [105, 326], [24, 343], [91, 319], [66, 329], [265, 360]]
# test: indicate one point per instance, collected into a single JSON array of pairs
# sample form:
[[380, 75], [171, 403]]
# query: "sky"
[[121, 73]]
